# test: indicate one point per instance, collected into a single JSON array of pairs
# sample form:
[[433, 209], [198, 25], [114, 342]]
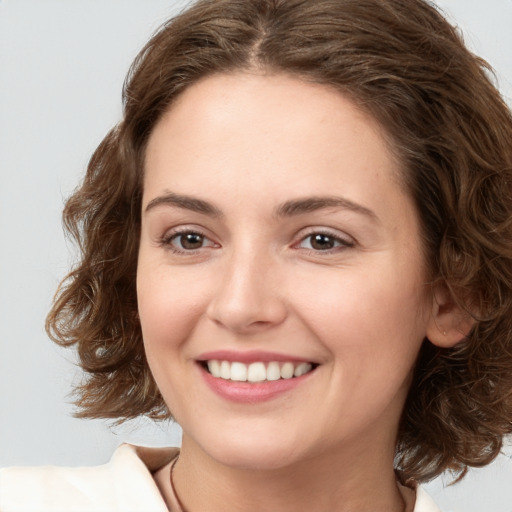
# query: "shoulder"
[[416, 498], [125, 483], [424, 503]]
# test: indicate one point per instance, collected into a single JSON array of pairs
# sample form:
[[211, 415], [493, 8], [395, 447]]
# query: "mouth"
[[258, 371]]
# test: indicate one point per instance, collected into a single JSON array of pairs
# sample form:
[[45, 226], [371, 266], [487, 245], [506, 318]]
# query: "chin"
[[255, 457], [252, 451]]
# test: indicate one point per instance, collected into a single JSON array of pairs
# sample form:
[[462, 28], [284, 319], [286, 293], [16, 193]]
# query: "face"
[[277, 240]]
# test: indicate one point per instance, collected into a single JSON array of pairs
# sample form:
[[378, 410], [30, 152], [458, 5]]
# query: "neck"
[[356, 480]]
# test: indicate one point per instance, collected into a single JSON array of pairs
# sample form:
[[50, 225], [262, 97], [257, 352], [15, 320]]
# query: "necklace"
[[178, 501]]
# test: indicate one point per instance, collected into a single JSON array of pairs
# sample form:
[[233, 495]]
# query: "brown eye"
[[188, 241], [191, 241], [321, 242], [324, 242]]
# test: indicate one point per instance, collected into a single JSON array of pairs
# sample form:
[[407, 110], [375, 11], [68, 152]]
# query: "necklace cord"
[[182, 508]]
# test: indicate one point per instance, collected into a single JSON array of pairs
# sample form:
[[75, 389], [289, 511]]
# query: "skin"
[[247, 143]]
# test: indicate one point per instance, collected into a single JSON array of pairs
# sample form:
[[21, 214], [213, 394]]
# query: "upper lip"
[[251, 356]]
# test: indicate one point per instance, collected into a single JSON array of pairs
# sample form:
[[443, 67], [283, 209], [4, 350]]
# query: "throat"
[[219, 488]]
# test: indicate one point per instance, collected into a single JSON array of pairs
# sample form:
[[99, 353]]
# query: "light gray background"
[[62, 65]]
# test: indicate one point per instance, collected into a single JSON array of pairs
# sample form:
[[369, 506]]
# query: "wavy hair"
[[405, 65]]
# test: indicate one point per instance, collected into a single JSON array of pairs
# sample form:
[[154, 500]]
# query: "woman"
[[298, 242]]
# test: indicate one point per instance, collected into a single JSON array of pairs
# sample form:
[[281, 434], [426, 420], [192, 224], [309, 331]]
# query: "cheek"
[[170, 305], [372, 315], [372, 331]]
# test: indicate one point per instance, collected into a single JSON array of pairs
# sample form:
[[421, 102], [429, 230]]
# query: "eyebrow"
[[185, 202], [288, 209], [310, 204]]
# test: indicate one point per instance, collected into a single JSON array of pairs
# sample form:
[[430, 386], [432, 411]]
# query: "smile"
[[258, 371]]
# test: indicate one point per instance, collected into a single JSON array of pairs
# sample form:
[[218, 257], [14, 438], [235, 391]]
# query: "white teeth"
[[258, 371], [273, 371], [287, 371], [214, 368], [302, 369], [239, 372], [225, 370]]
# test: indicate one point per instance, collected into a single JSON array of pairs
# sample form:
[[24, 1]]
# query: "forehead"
[[266, 126]]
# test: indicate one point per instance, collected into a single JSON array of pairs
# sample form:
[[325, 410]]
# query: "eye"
[[186, 241], [324, 242]]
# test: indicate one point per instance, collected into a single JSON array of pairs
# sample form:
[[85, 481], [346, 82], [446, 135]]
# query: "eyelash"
[[168, 238], [342, 243]]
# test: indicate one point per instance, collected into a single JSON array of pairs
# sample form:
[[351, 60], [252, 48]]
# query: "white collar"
[[124, 484]]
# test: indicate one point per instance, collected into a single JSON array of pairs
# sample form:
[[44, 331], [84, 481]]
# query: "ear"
[[449, 323]]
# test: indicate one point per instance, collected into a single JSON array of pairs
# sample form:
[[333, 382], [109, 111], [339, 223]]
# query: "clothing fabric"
[[125, 484]]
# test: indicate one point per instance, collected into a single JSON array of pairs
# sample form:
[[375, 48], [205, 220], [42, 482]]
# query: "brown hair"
[[405, 65]]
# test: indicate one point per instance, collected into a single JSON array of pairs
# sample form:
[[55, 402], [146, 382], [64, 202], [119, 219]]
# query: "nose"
[[248, 297]]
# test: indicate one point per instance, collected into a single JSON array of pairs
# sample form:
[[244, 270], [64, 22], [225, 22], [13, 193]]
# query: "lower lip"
[[249, 392]]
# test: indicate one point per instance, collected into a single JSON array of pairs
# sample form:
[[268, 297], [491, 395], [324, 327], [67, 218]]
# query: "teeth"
[[225, 370], [287, 371], [238, 372], [257, 372], [273, 371], [302, 369], [214, 368]]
